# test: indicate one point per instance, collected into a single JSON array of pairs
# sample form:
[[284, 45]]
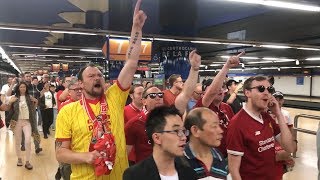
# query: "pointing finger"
[[242, 53], [137, 7]]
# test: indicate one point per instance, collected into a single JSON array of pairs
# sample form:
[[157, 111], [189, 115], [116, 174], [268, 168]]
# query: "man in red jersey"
[[213, 97], [176, 85], [252, 133], [135, 107], [153, 97], [132, 110]]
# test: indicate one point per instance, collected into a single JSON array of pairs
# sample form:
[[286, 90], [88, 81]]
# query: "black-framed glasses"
[[197, 93], [263, 88], [154, 95], [178, 132]]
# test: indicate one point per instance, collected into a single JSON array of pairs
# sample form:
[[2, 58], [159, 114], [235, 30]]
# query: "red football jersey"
[[135, 131], [168, 97], [253, 138], [224, 113]]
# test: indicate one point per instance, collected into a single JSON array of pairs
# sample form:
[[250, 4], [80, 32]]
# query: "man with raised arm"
[[213, 96], [90, 132], [153, 97]]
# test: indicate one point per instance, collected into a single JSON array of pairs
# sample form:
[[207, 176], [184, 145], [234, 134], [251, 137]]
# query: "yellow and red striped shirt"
[[74, 125]]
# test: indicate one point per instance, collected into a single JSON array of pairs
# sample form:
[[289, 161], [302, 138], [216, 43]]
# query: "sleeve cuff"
[[236, 153], [122, 89], [63, 139]]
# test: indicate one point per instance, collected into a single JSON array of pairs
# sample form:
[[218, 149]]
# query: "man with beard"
[[252, 133], [205, 135], [98, 116], [153, 97], [164, 128], [213, 96], [170, 95]]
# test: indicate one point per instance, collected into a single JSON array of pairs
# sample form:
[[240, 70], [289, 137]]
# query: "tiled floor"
[[45, 164]]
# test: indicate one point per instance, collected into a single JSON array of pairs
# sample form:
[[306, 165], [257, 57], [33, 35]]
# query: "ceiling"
[[210, 20]]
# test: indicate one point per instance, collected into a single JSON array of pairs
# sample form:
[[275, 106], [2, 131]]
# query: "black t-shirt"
[[237, 103]]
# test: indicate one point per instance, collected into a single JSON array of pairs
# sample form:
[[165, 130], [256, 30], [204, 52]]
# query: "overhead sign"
[[118, 49]]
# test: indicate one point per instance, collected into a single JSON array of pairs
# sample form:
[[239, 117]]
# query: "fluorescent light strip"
[[270, 58], [275, 46], [74, 32], [313, 59], [91, 50], [48, 55], [205, 42], [269, 68], [216, 65], [259, 62], [289, 5], [25, 29], [163, 39], [282, 4], [226, 57], [5, 56], [75, 56], [309, 49], [285, 60], [27, 47], [63, 49], [239, 44], [247, 57], [290, 67]]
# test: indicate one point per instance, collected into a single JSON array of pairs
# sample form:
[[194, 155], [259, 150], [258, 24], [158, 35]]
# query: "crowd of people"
[[189, 131]]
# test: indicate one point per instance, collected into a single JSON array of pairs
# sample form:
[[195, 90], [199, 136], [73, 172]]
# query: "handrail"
[[296, 129]]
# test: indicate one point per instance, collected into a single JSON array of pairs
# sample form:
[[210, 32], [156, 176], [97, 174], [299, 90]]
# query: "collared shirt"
[[219, 167]]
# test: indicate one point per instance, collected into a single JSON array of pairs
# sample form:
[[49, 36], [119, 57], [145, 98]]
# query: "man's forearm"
[[66, 155], [286, 137], [126, 75], [183, 98]]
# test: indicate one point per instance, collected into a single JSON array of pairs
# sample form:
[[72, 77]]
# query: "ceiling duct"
[[184, 19], [94, 11], [120, 15]]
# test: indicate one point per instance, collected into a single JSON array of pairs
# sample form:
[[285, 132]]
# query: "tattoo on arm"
[[133, 42], [58, 144]]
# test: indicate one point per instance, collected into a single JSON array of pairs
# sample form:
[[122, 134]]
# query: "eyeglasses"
[[178, 132], [262, 89], [198, 93], [76, 89], [154, 95]]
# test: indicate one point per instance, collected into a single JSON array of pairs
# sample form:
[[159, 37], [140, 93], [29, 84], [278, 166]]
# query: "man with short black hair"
[[232, 97], [164, 128]]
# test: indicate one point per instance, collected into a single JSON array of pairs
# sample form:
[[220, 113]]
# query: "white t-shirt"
[[287, 117], [3, 92], [23, 108], [48, 99], [174, 177]]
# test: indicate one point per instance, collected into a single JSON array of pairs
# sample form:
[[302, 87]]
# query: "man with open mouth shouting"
[[90, 132]]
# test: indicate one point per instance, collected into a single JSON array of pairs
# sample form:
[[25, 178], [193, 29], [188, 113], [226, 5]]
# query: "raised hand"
[[274, 106], [234, 61], [139, 17], [195, 60]]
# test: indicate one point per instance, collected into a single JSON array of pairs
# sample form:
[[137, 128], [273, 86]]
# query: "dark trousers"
[[47, 119], [8, 117]]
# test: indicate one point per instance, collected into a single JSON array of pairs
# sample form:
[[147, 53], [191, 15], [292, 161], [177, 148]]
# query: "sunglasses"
[[262, 89], [154, 95]]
